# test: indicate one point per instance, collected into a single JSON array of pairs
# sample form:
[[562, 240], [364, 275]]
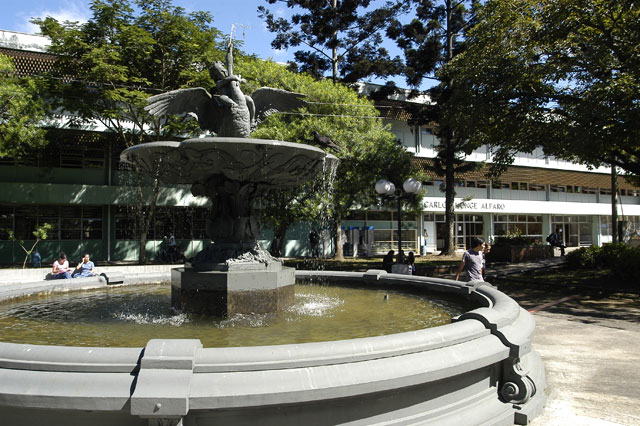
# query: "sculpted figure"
[[228, 111]]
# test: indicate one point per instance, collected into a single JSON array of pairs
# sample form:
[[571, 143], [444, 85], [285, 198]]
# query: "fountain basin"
[[275, 163], [480, 369]]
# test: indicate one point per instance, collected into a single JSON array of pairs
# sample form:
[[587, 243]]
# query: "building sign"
[[469, 206], [433, 204]]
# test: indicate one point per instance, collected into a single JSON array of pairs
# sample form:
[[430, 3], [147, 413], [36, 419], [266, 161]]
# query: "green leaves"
[[563, 75], [368, 150], [108, 66], [21, 111]]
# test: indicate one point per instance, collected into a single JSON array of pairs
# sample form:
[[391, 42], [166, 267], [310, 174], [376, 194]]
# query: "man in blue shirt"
[[473, 261], [84, 268]]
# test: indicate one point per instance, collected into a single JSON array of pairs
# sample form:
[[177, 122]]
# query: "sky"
[[243, 14]]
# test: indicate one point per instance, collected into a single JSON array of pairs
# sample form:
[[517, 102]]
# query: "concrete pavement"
[[589, 341]]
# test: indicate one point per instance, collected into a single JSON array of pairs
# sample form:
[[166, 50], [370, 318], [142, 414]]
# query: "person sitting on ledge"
[[85, 268], [61, 267]]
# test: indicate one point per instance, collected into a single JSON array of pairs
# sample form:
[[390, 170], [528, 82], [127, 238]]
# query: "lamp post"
[[410, 188]]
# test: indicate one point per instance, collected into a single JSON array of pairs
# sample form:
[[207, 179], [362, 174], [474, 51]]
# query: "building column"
[[546, 226], [489, 232], [596, 231]]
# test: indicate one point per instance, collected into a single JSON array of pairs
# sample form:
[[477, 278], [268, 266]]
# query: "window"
[[91, 223], [605, 191], [536, 187], [557, 188], [70, 223], [524, 224], [482, 184]]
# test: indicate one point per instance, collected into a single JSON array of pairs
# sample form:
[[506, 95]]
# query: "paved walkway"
[[590, 343]]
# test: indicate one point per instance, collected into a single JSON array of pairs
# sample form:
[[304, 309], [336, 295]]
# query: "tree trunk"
[[334, 50], [449, 214], [614, 205], [339, 253], [145, 221], [449, 154]]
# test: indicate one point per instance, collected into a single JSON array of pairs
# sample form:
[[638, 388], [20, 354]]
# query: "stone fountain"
[[478, 370], [233, 275]]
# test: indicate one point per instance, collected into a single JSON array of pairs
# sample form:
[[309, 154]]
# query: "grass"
[[592, 279], [425, 265]]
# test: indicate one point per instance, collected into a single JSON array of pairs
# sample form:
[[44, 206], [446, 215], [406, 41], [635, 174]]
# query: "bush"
[[623, 261], [584, 257]]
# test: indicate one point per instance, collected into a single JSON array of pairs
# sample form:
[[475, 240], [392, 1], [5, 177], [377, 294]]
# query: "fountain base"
[[241, 288]]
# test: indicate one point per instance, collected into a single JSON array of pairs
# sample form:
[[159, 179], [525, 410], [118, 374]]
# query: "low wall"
[[479, 369]]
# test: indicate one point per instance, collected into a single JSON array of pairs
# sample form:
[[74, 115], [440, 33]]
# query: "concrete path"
[[590, 344]]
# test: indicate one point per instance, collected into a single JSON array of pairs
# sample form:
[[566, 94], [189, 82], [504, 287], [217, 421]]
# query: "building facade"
[[536, 195], [78, 185]]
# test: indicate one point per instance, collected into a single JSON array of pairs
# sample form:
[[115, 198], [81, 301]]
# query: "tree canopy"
[[561, 74], [432, 39], [107, 67], [368, 151], [21, 111], [339, 37]]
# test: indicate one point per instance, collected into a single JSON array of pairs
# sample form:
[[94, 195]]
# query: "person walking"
[[473, 261]]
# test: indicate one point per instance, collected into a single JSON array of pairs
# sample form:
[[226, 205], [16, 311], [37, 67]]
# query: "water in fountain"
[[130, 316]]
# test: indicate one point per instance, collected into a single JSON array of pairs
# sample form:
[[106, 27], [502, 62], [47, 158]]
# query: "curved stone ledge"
[[479, 369]]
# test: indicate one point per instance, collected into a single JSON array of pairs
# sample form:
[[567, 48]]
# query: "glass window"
[[126, 223], [70, 222], [482, 184], [91, 223], [25, 223], [524, 186]]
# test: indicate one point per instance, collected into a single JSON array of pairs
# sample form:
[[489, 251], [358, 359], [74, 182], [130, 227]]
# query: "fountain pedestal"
[[233, 275], [240, 288]]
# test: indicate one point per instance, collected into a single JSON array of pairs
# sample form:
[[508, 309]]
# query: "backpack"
[[549, 237]]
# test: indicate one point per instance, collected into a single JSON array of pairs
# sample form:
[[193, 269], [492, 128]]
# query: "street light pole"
[[387, 189]]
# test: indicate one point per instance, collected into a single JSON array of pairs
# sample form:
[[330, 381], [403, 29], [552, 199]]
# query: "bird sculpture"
[[325, 142], [226, 111]]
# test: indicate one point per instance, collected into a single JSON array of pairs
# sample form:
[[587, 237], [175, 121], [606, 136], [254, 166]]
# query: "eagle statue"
[[226, 111]]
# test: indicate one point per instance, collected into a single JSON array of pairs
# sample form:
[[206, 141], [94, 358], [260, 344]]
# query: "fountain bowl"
[[479, 369]]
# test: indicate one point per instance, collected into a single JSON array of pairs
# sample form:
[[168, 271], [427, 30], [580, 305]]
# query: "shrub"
[[584, 257], [622, 260]]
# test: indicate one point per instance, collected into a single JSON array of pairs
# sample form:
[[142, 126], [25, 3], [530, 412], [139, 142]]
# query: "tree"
[[40, 233], [342, 38], [368, 150], [21, 111], [431, 40], [563, 75], [107, 67]]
